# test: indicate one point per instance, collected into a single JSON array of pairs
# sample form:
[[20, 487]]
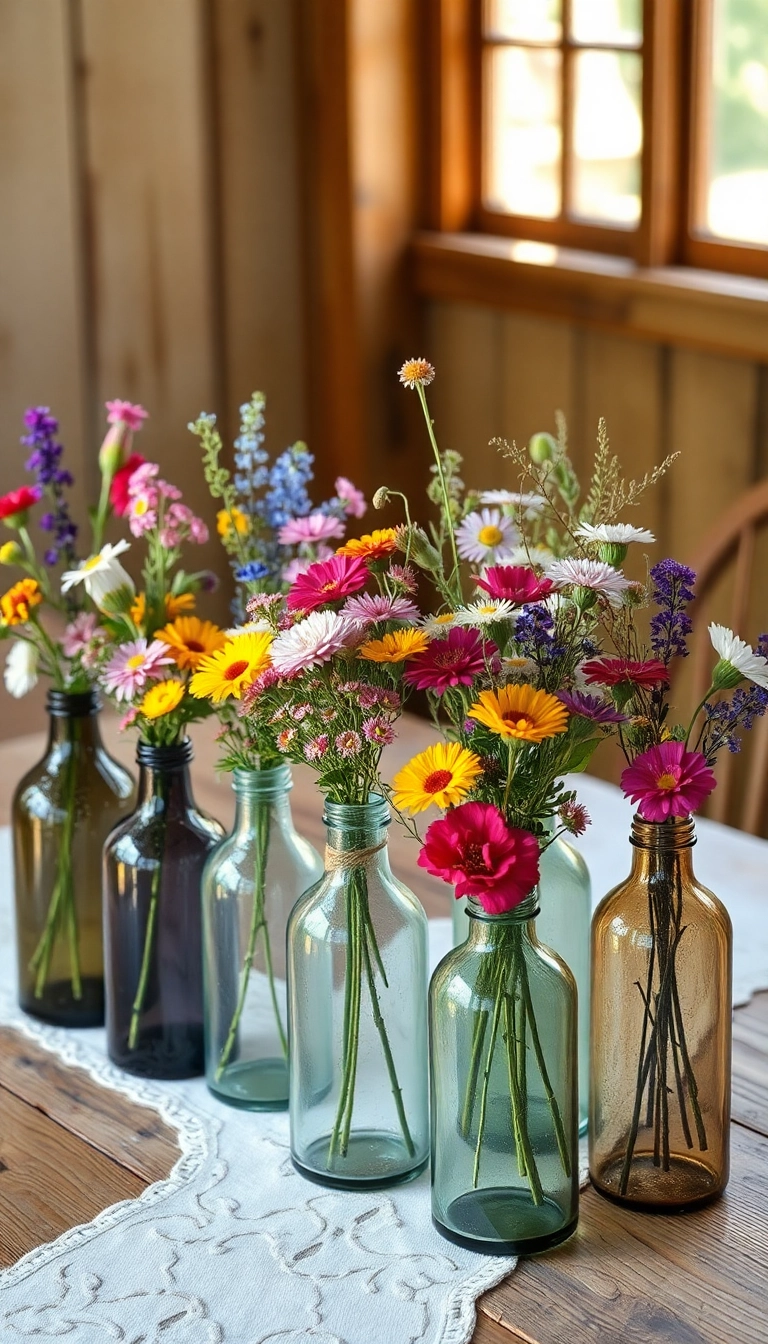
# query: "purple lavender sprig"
[[672, 591], [726, 720], [45, 461]]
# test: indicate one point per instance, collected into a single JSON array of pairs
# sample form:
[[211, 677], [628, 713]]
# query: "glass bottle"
[[251, 883], [153, 863], [62, 811], [357, 1013], [661, 1030], [565, 894], [503, 1069]]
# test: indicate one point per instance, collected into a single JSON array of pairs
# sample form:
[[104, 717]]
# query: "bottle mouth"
[[357, 816], [268, 783], [527, 909], [664, 836], [171, 757], [72, 705]]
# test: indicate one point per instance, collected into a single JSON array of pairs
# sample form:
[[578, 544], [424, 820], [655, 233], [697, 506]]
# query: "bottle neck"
[[260, 791], [485, 928], [357, 829], [164, 775], [73, 719], [665, 846]]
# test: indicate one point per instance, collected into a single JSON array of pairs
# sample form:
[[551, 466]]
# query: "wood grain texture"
[[749, 1102], [464, 344], [50, 1180], [132, 1136]]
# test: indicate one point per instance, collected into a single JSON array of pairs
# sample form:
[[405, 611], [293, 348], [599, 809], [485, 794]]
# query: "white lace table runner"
[[235, 1247]]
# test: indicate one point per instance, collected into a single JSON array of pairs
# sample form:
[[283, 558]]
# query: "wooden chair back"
[[732, 542]]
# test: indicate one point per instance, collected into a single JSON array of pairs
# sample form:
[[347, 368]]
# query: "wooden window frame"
[[676, 37]]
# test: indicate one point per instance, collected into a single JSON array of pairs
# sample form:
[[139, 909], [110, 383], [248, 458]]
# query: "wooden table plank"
[[133, 1136], [750, 1064], [50, 1180]]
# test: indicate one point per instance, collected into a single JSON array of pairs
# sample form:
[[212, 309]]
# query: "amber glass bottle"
[[660, 1076], [63, 810]]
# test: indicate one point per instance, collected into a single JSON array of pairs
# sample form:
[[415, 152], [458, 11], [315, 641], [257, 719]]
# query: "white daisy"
[[101, 574], [257, 627], [483, 612], [313, 641], [486, 537], [617, 534], [440, 625], [539, 557], [519, 670], [512, 499], [739, 656], [594, 574], [20, 673]]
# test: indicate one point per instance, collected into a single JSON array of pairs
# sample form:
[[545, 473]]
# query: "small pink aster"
[[352, 498], [404, 577], [369, 608], [574, 817], [126, 413], [328, 581], [79, 633], [284, 738], [668, 781], [316, 747], [378, 730], [311, 529], [348, 743], [132, 665]]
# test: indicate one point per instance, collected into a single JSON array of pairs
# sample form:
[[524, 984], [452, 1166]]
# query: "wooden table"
[[69, 1148]]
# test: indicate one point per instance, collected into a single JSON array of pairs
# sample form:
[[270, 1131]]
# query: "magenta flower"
[[453, 661], [125, 412], [514, 583], [668, 781], [328, 581], [352, 498], [301, 563], [475, 850], [348, 743], [306, 531], [379, 730], [133, 664], [590, 707]]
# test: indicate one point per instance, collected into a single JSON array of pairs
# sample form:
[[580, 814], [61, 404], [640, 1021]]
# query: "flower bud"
[[541, 448], [11, 553], [381, 498], [612, 552], [425, 555], [115, 448], [584, 598], [725, 676]]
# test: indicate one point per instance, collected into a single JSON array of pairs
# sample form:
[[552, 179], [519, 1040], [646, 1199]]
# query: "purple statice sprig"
[[53, 479], [673, 589], [535, 636]]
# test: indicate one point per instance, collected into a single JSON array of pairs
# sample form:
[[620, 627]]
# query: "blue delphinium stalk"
[[45, 461], [250, 455], [286, 495], [672, 591]]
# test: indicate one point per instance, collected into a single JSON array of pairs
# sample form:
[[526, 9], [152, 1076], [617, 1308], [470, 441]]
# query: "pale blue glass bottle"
[[251, 883], [565, 895]]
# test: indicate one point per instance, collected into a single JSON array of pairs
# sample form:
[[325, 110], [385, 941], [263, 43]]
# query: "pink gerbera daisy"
[[668, 781], [514, 583], [328, 581], [475, 850], [453, 661], [133, 664], [306, 531]]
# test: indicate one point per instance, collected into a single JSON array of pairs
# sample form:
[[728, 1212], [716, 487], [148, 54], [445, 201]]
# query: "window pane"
[[536, 20], [522, 91], [619, 22], [736, 189], [607, 136]]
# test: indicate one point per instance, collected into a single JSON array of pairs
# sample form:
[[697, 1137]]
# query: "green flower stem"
[[61, 909], [443, 488], [102, 512], [478, 1037], [149, 935], [557, 1120], [397, 1091], [519, 1099], [486, 1079]]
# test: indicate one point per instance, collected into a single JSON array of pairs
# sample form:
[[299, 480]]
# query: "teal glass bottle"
[[503, 1069], [565, 894], [251, 882], [357, 1013]]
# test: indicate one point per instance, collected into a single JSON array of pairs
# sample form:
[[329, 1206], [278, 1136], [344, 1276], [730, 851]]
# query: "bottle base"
[[58, 1006], [170, 1052], [253, 1085], [688, 1185], [373, 1161], [501, 1221]]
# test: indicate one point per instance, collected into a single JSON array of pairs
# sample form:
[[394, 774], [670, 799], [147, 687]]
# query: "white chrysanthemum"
[[435, 626], [257, 627], [519, 671], [102, 574], [313, 641], [486, 537], [740, 655], [538, 557], [20, 673], [617, 534], [483, 612], [595, 574], [512, 499]]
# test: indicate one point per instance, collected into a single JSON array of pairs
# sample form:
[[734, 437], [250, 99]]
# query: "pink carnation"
[[126, 413], [328, 581], [305, 531], [668, 781], [352, 498], [514, 583], [475, 850], [453, 661], [79, 633]]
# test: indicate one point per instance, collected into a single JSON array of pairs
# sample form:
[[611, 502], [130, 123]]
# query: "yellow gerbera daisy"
[[229, 670], [18, 602], [232, 521], [373, 546], [395, 647], [521, 712], [443, 774], [177, 603], [190, 639], [161, 699]]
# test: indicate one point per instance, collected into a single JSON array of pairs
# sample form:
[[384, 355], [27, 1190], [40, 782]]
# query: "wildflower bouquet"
[[669, 775], [53, 615]]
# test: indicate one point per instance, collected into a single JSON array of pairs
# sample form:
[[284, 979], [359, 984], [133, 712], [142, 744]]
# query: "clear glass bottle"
[[357, 1013], [503, 1069], [62, 811], [251, 883], [660, 1087], [153, 863], [565, 895]]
